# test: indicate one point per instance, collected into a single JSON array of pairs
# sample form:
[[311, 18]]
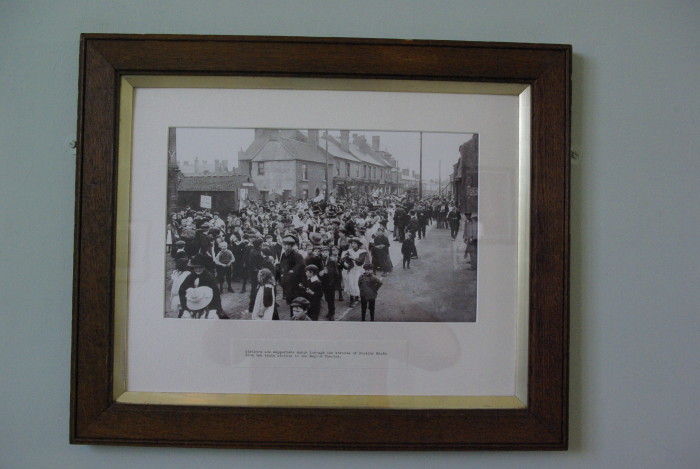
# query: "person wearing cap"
[[413, 224], [179, 249], [299, 307], [313, 291], [245, 248], [335, 257], [341, 240], [353, 260], [329, 280], [291, 268], [314, 257], [400, 223], [369, 285], [407, 248], [200, 277], [350, 226], [453, 220], [422, 221]]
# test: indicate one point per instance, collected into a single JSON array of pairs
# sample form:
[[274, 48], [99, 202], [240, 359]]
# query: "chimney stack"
[[375, 142], [313, 137], [345, 140]]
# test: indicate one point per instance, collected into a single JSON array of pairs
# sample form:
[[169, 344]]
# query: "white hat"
[[198, 298]]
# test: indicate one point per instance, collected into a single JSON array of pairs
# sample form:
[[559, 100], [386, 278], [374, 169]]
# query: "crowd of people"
[[301, 253]]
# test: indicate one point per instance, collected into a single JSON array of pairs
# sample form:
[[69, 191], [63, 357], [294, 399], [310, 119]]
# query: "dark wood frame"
[[95, 416]]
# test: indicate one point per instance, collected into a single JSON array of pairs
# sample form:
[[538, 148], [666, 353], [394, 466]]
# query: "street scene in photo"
[[321, 225]]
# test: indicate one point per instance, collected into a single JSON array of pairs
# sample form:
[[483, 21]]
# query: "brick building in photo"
[[465, 178], [296, 164]]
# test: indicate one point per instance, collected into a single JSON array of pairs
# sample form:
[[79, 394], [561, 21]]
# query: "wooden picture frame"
[[100, 416]]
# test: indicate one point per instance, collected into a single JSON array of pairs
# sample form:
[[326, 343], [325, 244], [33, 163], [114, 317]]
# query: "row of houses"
[[465, 177], [305, 164], [284, 164]]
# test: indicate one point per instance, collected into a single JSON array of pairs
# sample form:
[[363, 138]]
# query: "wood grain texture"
[[97, 419]]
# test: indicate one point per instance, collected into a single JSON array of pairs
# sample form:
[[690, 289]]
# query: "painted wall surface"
[[278, 177], [635, 216]]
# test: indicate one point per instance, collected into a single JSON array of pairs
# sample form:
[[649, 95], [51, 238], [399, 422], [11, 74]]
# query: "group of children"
[[308, 307]]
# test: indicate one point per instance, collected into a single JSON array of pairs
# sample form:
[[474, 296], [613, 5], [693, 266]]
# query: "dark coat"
[[407, 247], [206, 279], [313, 260], [369, 285], [254, 262], [380, 256], [313, 291], [400, 218], [454, 218], [291, 273], [331, 277]]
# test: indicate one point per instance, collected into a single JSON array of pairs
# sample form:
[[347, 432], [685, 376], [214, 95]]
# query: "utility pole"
[[327, 186], [439, 177], [420, 170]]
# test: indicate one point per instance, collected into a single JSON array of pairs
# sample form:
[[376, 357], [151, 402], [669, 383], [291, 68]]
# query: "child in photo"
[[264, 306], [224, 260], [407, 248], [299, 308], [313, 291], [369, 286]]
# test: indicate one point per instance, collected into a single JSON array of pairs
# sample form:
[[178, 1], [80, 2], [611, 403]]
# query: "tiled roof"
[[288, 146], [336, 151], [367, 157], [304, 151], [283, 149], [212, 183]]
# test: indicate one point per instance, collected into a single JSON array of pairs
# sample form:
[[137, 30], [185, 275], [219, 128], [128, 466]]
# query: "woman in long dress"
[[353, 260], [381, 257]]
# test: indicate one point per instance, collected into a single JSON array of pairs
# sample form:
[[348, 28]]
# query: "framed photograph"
[[321, 243]]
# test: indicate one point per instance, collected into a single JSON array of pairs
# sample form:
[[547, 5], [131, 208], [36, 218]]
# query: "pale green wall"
[[635, 216]]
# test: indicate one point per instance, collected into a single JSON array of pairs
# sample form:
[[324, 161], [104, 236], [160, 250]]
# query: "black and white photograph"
[[321, 225]]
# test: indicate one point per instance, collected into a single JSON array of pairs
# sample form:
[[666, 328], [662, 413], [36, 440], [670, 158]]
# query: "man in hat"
[[291, 268], [453, 220], [422, 221], [313, 291], [412, 228], [314, 257], [329, 280], [200, 277], [400, 223]]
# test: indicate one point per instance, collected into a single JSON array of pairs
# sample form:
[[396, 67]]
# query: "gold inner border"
[[126, 109]]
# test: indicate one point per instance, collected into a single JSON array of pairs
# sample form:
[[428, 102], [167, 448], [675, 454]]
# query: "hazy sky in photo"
[[440, 150]]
